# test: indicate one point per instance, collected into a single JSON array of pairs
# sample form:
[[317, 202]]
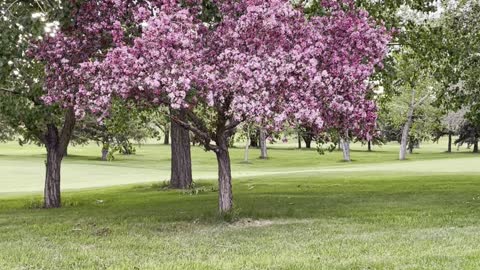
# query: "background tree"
[[469, 134], [160, 119], [412, 111], [6, 132], [307, 134], [450, 125], [263, 143], [458, 50], [124, 124]]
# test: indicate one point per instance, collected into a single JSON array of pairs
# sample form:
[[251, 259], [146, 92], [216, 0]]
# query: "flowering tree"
[[21, 82], [79, 33], [263, 61]]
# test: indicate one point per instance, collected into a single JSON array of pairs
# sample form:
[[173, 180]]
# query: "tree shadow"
[[362, 200]]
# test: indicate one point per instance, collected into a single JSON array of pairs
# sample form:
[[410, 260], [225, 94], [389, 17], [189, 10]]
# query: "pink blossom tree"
[[263, 61], [91, 28]]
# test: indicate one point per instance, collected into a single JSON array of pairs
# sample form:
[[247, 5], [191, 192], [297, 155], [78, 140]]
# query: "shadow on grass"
[[432, 198]]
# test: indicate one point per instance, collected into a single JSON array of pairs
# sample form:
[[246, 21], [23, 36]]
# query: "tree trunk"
[[406, 130], [410, 148], [181, 167], [247, 144], [104, 153], [254, 138], [404, 140], [166, 139], [56, 145], [475, 147], [369, 146], [346, 149], [52, 176], [263, 144], [308, 142], [225, 197], [449, 149], [299, 137]]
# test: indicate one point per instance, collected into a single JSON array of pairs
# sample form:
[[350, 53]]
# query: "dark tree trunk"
[[56, 145], [225, 197], [52, 174], [263, 144], [181, 169], [308, 137], [308, 142], [410, 149], [475, 147], [254, 138], [449, 149], [166, 139], [65, 154], [225, 129], [369, 146], [299, 138]]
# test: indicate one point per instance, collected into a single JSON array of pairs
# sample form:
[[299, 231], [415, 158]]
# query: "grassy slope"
[[23, 167], [421, 214]]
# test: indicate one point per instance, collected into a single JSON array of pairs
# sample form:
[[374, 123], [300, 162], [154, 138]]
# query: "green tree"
[[6, 132], [450, 125], [469, 134], [124, 124], [412, 111]]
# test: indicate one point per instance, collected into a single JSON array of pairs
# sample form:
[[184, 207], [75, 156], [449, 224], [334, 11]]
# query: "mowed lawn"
[[297, 210]]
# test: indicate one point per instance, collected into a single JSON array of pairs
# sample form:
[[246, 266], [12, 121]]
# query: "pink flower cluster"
[[264, 62]]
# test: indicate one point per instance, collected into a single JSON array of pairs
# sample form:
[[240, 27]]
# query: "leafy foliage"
[[124, 124], [416, 84], [20, 78]]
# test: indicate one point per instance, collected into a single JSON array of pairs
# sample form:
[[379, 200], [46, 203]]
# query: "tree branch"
[[202, 134], [198, 122], [11, 91], [67, 130], [420, 102]]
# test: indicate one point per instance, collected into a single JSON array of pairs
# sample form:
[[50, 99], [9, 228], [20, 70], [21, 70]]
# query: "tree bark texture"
[[346, 149], [181, 167], [263, 144], [225, 195], [406, 130], [56, 144], [52, 175]]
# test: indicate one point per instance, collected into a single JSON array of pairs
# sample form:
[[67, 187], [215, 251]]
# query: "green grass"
[[297, 210], [23, 167]]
